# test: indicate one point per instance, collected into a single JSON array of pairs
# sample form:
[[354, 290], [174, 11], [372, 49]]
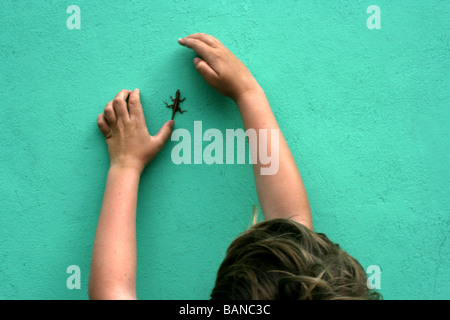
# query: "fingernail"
[[180, 40], [171, 123], [196, 60]]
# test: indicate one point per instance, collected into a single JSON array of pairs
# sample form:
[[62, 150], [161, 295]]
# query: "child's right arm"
[[281, 195]]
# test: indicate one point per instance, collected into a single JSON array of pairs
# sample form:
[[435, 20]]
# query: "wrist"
[[130, 162], [126, 168], [248, 95]]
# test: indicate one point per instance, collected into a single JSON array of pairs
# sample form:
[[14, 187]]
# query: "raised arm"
[[130, 148], [282, 194]]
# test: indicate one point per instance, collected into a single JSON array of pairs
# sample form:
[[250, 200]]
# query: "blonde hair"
[[254, 217], [282, 259]]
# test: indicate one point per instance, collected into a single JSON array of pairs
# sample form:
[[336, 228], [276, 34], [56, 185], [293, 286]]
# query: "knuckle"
[[133, 100], [117, 100], [108, 109], [121, 127]]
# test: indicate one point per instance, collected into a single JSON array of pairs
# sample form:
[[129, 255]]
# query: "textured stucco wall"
[[366, 113]]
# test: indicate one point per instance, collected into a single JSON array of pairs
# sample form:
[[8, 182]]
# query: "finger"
[[110, 114], [164, 133], [200, 47], [120, 104], [103, 125], [205, 70], [134, 104], [206, 38]]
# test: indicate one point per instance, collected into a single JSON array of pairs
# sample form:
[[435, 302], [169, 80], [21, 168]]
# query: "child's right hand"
[[219, 66], [123, 125]]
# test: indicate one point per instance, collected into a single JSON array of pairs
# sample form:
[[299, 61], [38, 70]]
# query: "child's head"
[[282, 259]]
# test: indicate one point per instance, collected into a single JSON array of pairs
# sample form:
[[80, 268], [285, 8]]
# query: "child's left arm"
[[130, 148]]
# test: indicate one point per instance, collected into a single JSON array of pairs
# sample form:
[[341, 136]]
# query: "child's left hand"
[[123, 124]]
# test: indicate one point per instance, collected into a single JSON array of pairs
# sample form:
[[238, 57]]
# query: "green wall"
[[365, 112]]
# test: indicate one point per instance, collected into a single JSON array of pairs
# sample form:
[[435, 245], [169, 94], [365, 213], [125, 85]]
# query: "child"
[[280, 258]]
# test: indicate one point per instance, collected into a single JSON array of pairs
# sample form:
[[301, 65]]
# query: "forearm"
[[113, 266], [280, 188], [282, 194]]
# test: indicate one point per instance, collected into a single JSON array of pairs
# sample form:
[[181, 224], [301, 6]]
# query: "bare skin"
[[282, 195], [131, 148]]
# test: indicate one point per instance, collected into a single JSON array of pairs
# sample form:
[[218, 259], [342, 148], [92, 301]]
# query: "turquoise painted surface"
[[366, 114]]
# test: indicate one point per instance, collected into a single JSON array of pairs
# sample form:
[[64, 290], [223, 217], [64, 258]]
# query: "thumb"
[[164, 133]]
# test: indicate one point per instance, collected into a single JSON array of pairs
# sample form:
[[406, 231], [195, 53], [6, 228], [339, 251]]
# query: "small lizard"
[[176, 104]]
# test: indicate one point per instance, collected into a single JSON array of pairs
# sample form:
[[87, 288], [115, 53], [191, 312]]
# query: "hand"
[[129, 143], [219, 66]]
